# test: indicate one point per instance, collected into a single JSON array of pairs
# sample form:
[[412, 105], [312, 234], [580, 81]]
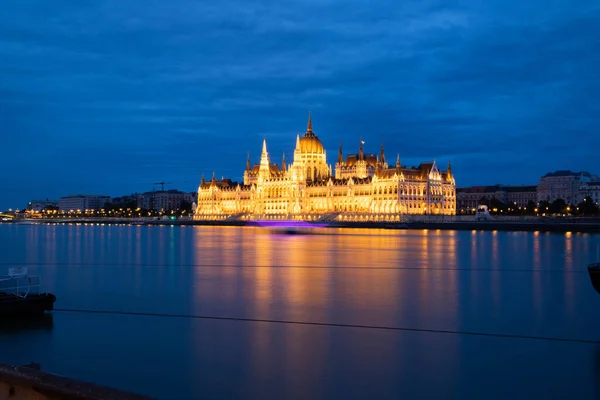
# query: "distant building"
[[191, 197], [39, 205], [469, 198], [82, 202], [521, 195], [162, 200], [589, 189], [563, 185], [124, 199]]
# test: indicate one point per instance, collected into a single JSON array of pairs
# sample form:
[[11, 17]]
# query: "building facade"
[[39, 205], [162, 200], [563, 185], [360, 187], [467, 199], [521, 195], [591, 190], [82, 202]]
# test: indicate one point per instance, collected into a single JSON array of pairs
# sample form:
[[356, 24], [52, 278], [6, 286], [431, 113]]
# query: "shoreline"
[[592, 226]]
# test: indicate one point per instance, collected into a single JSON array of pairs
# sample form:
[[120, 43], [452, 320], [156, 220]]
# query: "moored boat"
[[20, 295], [594, 272]]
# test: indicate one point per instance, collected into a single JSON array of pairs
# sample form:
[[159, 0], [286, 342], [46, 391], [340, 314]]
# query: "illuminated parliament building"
[[361, 187]]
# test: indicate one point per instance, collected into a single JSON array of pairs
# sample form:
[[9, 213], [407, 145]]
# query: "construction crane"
[[162, 185]]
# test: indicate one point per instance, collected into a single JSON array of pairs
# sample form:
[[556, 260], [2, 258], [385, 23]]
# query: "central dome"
[[310, 143]]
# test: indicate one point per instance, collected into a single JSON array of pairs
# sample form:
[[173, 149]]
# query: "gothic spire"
[[248, 163], [283, 167], [309, 127], [382, 156], [202, 180], [449, 171], [398, 165], [264, 148], [340, 155]]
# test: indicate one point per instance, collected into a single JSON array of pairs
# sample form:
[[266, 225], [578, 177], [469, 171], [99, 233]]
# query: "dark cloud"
[[110, 97]]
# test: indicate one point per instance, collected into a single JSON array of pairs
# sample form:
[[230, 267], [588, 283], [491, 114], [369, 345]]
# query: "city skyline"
[[113, 97]]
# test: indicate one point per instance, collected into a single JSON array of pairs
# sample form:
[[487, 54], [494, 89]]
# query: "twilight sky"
[[109, 97]]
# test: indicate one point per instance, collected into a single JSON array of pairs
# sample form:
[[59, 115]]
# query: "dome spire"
[[361, 153]]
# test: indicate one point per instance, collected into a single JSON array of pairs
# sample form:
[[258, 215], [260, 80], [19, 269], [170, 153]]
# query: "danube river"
[[346, 313]]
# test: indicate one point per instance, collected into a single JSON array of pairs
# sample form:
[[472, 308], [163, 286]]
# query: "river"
[[192, 312]]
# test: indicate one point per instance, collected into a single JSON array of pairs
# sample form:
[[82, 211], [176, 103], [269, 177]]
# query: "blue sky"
[[109, 97]]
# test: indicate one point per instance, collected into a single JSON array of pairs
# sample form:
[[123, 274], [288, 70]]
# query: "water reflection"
[[596, 369], [568, 265], [279, 276], [15, 325], [492, 282]]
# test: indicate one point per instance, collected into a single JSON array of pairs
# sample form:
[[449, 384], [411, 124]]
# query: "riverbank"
[[540, 225], [29, 382]]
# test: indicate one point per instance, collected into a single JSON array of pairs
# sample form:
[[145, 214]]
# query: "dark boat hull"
[[594, 272], [11, 305]]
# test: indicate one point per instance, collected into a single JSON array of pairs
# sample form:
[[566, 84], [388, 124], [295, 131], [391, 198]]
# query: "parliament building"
[[361, 187]]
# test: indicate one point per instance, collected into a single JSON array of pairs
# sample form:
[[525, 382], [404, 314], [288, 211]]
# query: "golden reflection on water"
[[474, 261], [569, 284], [537, 273], [304, 276], [495, 265], [308, 277]]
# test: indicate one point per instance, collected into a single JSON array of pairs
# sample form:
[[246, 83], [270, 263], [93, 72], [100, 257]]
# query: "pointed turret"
[[264, 171], [264, 147], [202, 180], [382, 156], [449, 174], [398, 165], [283, 167], [309, 126], [298, 142], [248, 163], [340, 155], [213, 178]]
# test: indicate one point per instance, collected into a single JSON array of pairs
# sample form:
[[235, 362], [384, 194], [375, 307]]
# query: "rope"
[[326, 324]]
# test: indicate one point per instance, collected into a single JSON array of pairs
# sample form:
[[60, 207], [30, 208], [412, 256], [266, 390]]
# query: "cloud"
[[147, 88]]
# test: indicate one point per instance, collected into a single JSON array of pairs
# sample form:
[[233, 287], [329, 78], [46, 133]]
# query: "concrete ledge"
[[29, 383], [558, 225]]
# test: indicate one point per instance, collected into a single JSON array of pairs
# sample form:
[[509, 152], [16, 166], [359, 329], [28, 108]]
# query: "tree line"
[[557, 207]]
